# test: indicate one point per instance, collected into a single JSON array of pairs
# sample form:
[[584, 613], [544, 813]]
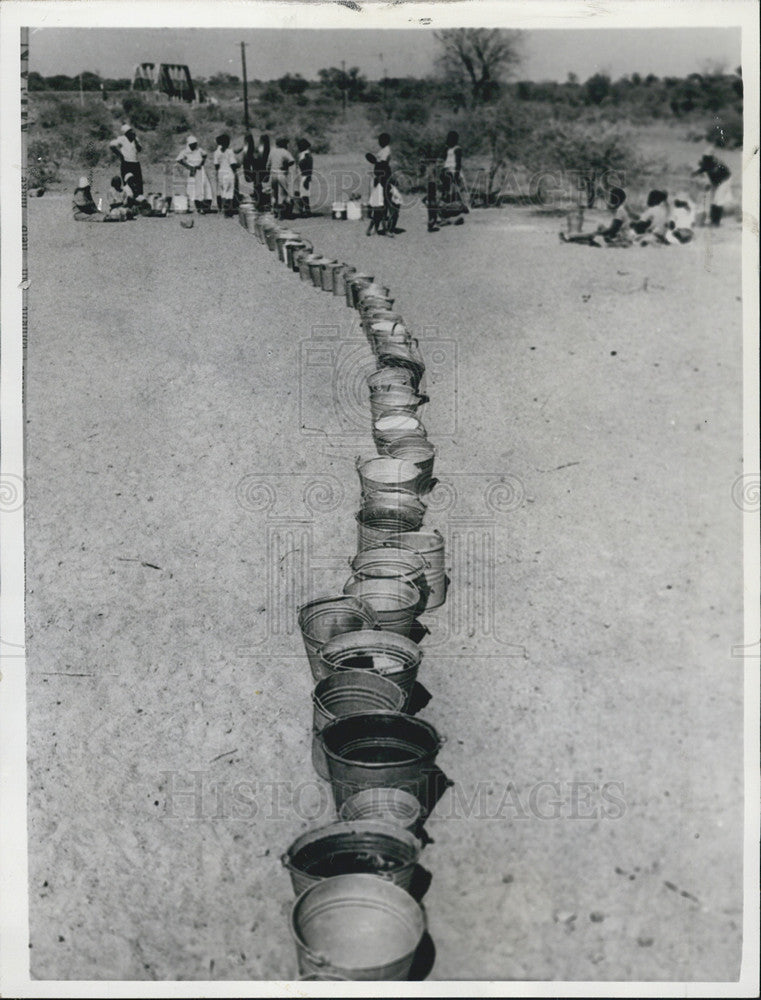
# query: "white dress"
[[199, 187]]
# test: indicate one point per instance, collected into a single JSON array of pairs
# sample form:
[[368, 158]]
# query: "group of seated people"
[[122, 203], [662, 222]]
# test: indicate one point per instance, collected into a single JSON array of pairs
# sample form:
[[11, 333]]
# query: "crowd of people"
[[279, 178], [664, 220]]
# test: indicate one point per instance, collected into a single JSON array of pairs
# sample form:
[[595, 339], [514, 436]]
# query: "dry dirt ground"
[[193, 414]]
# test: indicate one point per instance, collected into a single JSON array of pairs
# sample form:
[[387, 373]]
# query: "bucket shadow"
[[420, 882], [425, 957], [418, 632], [419, 698], [436, 783]]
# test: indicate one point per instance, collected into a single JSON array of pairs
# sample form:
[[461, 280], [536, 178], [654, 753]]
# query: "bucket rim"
[[363, 885], [412, 720], [363, 608], [412, 802], [348, 826], [368, 637], [343, 677]]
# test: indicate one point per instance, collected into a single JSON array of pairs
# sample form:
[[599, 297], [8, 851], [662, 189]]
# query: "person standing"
[[246, 157], [306, 166], [193, 158], [452, 169], [382, 176], [718, 174], [261, 175], [127, 147], [279, 164], [225, 166]]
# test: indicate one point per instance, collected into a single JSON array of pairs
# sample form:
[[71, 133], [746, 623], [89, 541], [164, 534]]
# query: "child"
[[452, 168], [117, 207], [679, 228], [377, 200], [651, 225], [306, 165], [225, 166]]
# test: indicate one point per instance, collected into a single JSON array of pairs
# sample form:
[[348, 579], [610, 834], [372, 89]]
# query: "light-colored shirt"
[[192, 157], [127, 148], [280, 160], [383, 154], [225, 159]]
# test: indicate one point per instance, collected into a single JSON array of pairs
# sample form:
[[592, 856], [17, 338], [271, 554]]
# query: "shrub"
[[42, 167], [140, 114], [726, 131]]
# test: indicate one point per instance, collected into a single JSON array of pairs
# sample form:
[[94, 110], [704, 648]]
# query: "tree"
[[479, 58], [295, 84], [336, 82], [597, 88]]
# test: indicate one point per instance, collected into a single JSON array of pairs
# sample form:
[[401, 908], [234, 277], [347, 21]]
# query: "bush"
[[42, 167], [726, 131], [143, 116]]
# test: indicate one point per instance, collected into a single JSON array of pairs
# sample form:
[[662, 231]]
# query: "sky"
[[549, 54]]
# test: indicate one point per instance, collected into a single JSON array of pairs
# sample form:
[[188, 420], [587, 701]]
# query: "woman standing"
[[193, 158], [279, 165], [246, 156], [225, 166], [452, 168], [260, 171]]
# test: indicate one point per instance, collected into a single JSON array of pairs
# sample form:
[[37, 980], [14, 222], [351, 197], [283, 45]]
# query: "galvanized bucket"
[[395, 424], [315, 270], [379, 750], [326, 274], [384, 473], [417, 450], [281, 238], [326, 617], [353, 287], [292, 247], [387, 378], [339, 278], [372, 291], [348, 275], [395, 601], [371, 846], [382, 333], [430, 545], [391, 561], [376, 527], [404, 356], [270, 235], [357, 927], [390, 805], [390, 401], [393, 656], [305, 265], [346, 694]]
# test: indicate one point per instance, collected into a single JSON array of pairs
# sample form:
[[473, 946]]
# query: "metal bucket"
[[347, 848], [353, 286], [305, 265], [291, 249], [349, 274], [389, 654], [270, 236], [378, 526], [390, 562], [326, 617], [390, 401], [339, 278], [379, 750], [430, 545], [384, 333], [395, 601], [358, 927], [373, 291], [381, 473], [281, 238], [347, 694], [404, 356], [390, 805], [394, 425], [417, 450], [326, 274], [387, 378]]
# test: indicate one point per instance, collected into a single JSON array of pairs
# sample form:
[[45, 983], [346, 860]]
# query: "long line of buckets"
[[357, 915]]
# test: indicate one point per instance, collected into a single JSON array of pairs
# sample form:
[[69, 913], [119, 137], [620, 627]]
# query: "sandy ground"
[[193, 414]]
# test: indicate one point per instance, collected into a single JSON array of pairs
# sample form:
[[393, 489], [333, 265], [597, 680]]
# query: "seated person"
[[679, 228], [117, 208], [83, 205], [616, 233], [651, 225]]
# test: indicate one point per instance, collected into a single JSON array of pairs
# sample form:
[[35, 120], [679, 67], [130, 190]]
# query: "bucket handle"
[[285, 861], [314, 957]]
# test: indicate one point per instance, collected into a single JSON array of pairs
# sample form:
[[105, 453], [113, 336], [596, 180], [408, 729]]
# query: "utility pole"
[[344, 82], [245, 86], [81, 93]]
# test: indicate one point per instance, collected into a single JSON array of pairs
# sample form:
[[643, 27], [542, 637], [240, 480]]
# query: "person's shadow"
[[425, 957]]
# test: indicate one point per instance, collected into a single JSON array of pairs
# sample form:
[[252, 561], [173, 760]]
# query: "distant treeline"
[[651, 95]]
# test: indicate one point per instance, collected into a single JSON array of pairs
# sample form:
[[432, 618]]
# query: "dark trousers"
[[137, 176]]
